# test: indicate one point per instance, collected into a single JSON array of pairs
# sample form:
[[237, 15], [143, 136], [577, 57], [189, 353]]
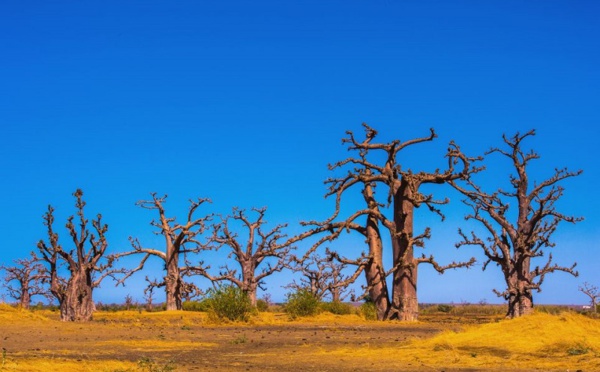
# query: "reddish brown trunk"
[[78, 304], [25, 298], [173, 282], [249, 285], [404, 293], [252, 295], [520, 298], [520, 304], [374, 272]]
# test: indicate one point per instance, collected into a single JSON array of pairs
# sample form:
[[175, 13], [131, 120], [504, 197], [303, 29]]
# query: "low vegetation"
[[228, 303], [134, 341], [302, 303]]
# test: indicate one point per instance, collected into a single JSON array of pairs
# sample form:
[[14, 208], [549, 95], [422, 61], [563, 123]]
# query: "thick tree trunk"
[[252, 296], [248, 280], [173, 290], [520, 298], [519, 304], [173, 282], [25, 298], [374, 272], [404, 292], [78, 304]]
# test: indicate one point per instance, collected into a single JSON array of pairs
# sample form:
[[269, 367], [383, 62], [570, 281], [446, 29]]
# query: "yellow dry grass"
[[541, 341], [62, 365], [10, 314], [156, 345], [538, 342]]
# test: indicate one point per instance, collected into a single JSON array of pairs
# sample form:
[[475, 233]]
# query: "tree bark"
[[520, 296], [405, 304], [251, 293], [78, 304], [374, 270], [173, 282], [25, 298], [248, 283]]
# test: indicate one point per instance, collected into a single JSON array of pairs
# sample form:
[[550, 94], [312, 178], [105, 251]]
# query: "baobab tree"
[[517, 236], [29, 275], [323, 276], [84, 263], [258, 254], [403, 197], [180, 240], [592, 292]]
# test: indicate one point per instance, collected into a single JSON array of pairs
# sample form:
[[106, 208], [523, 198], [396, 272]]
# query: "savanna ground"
[[187, 341]]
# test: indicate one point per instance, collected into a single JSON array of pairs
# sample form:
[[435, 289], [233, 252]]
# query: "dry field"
[[186, 341]]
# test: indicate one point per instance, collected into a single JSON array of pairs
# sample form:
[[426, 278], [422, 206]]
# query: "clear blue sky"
[[245, 102]]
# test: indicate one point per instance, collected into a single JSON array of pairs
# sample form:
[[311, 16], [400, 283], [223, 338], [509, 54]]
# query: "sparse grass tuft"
[[242, 339], [149, 365]]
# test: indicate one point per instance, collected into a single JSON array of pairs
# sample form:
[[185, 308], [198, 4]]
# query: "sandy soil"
[[188, 343]]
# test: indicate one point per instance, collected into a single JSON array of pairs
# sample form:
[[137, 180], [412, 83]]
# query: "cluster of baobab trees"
[[518, 223]]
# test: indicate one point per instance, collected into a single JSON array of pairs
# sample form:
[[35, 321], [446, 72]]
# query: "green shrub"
[[443, 308], [337, 307], [301, 303], [228, 303], [368, 310], [262, 305], [203, 306]]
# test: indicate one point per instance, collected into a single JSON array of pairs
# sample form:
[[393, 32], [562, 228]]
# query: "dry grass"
[[542, 341], [62, 365], [538, 342]]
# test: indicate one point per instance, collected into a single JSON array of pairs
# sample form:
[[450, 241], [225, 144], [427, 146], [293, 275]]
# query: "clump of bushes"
[[301, 303], [368, 310], [443, 308], [228, 303], [337, 307], [262, 305], [203, 305]]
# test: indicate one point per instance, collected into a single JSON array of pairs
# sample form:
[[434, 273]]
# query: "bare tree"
[[252, 253], [149, 297], [322, 276], [83, 263], [403, 196], [30, 275], [517, 237], [180, 241], [592, 292]]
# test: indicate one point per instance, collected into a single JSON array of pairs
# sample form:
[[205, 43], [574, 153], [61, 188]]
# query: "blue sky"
[[246, 102]]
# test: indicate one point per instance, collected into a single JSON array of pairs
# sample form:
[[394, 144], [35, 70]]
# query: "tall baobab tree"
[[259, 254], [516, 237], [30, 275], [403, 197], [180, 241], [83, 262]]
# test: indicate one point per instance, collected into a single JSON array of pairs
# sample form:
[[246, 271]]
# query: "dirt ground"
[[187, 342]]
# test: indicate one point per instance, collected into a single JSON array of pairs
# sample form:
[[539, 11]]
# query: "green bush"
[[337, 307], [228, 303], [203, 306], [262, 305], [368, 310], [301, 303], [443, 308]]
